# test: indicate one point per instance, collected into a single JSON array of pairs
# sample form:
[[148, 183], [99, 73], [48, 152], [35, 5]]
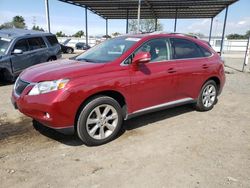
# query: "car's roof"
[[158, 34], [14, 33]]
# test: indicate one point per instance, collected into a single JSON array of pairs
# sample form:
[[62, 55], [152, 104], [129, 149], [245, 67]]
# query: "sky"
[[69, 18]]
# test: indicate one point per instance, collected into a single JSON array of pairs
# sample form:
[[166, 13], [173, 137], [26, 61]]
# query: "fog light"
[[47, 115]]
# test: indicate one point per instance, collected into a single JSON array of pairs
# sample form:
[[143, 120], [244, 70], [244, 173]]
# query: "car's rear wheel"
[[208, 96], [99, 121]]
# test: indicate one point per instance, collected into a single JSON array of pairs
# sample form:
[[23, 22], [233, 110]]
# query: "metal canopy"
[[160, 9]]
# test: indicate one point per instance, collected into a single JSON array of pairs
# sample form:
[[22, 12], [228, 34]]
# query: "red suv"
[[119, 79]]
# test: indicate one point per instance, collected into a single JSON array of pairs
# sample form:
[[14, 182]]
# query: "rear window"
[[52, 40], [36, 43]]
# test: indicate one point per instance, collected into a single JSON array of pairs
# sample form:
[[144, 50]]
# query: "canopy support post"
[[223, 32], [211, 28], [138, 16], [47, 15], [175, 21], [106, 27], [86, 25], [127, 22], [156, 24]]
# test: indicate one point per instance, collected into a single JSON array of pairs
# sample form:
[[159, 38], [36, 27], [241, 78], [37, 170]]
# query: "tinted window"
[[36, 43], [205, 52], [52, 40], [184, 49], [22, 45], [157, 48]]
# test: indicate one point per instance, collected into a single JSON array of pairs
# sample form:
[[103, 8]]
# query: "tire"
[[51, 59], [69, 51], [99, 121], [207, 97]]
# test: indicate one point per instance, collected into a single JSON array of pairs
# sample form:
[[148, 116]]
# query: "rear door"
[[192, 64], [38, 50], [154, 83], [21, 61]]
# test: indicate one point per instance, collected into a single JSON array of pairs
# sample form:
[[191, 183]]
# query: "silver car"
[[20, 49]]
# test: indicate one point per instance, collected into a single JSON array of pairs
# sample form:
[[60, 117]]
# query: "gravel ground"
[[178, 147]]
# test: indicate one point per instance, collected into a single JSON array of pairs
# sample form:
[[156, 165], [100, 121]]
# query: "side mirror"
[[17, 51], [141, 58]]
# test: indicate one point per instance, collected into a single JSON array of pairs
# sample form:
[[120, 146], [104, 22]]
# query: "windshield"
[[4, 44], [108, 50]]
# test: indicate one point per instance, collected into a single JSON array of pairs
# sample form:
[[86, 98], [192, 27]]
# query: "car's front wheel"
[[69, 51], [99, 121], [207, 97]]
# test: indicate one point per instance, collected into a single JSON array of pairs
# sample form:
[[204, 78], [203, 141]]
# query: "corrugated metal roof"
[[161, 9]]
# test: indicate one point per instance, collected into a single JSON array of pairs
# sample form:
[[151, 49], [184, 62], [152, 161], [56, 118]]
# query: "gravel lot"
[[178, 147]]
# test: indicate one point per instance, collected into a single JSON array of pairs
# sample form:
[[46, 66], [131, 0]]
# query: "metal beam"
[[86, 25], [151, 8], [138, 16], [223, 32], [106, 27], [211, 27], [127, 22], [156, 24], [47, 14], [175, 20]]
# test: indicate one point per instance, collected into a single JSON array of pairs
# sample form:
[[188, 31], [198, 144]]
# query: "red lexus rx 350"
[[119, 79]]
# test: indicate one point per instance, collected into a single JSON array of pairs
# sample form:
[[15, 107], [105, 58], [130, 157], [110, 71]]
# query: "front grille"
[[20, 86]]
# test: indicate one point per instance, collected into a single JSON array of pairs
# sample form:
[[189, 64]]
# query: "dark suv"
[[20, 49]]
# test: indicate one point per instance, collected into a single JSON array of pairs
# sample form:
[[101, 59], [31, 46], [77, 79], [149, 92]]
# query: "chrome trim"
[[169, 60], [159, 107]]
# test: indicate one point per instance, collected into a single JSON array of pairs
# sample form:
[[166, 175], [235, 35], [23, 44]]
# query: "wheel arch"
[[216, 80], [118, 96]]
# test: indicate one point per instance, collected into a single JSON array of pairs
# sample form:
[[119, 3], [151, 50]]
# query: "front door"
[[21, 61], [154, 83]]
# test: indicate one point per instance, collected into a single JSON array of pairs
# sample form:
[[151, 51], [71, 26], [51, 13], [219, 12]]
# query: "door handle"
[[205, 66], [171, 70]]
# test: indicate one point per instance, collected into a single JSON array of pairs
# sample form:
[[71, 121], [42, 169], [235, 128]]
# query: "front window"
[[107, 51], [4, 44]]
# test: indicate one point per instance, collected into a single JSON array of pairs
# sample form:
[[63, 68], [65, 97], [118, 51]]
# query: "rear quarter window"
[[205, 52], [184, 49], [52, 40]]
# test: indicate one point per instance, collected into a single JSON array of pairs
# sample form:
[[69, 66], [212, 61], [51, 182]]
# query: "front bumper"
[[52, 109]]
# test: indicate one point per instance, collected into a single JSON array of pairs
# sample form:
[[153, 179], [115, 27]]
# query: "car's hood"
[[60, 69]]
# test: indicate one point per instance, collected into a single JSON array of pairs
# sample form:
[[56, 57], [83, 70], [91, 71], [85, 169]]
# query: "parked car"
[[82, 46], [119, 79], [20, 49], [67, 49]]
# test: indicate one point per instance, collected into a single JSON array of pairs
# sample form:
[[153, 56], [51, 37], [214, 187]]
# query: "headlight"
[[48, 86]]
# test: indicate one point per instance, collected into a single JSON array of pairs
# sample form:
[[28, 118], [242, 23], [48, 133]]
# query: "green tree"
[[60, 34], [18, 22], [247, 34], [37, 28], [78, 34], [146, 25], [106, 36], [6, 25], [236, 36], [115, 34]]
